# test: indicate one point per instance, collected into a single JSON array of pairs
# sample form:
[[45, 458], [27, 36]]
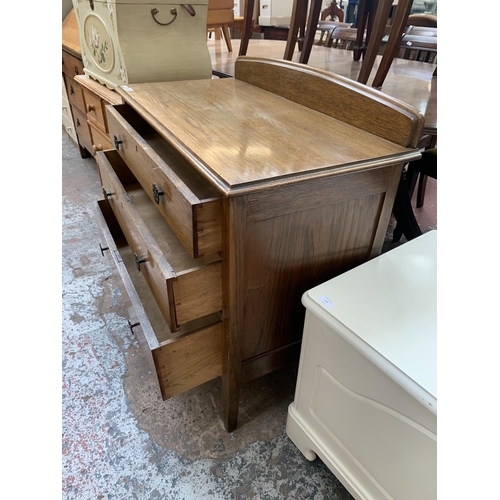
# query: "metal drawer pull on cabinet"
[[117, 142], [157, 193], [90, 107], [106, 194], [138, 261], [132, 326]]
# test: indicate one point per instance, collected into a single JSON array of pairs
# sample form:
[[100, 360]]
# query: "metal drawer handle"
[[103, 249], [76, 70], [173, 11], [132, 326], [117, 142], [90, 107], [106, 194], [138, 261], [71, 90], [157, 193], [77, 122]]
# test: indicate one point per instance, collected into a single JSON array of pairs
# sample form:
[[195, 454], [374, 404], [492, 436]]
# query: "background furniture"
[[143, 41], [67, 116], [326, 28], [403, 212], [366, 395], [96, 97], [220, 17], [342, 38], [232, 187], [72, 65]]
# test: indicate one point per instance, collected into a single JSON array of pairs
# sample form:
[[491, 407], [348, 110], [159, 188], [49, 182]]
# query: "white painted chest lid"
[[390, 305]]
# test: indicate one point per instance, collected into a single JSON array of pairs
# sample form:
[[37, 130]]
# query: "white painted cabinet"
[[366, 396]]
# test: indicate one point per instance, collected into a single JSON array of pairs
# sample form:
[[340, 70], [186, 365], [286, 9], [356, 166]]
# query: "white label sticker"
[[127, 88], [327, 302]]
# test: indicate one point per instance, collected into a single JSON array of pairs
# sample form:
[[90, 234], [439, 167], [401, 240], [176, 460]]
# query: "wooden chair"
[[418, 48], [327, 27], [427, 20], [403, 212], [342, 38], [220, 15], [420, 43]]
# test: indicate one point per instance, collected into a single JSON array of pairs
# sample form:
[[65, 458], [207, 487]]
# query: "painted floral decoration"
[[99, 50]]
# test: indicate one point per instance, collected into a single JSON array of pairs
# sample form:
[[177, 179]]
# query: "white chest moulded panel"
[[366, 395], [122, 42], [275, 12]]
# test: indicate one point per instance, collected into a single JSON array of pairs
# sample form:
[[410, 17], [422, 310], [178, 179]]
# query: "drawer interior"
[[171, 247], [158, 326], [199, 186]]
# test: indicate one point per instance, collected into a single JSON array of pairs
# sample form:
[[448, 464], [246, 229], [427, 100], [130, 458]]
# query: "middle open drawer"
[[184, 288]]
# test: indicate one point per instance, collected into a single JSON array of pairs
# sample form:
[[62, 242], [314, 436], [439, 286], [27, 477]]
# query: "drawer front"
[[94, 107], [184, 289], [181, 360], [100, 141], [71, 66], [69, 127], [75, 95], [190, 205], [82, 128]]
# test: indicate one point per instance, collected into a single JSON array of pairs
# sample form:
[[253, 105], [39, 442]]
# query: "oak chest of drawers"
[[225, 200]]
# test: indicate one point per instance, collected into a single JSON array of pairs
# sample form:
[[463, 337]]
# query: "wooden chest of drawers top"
[[242, 136]]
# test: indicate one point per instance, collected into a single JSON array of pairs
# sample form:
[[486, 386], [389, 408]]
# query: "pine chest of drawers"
[[133, 41], [225, 200]]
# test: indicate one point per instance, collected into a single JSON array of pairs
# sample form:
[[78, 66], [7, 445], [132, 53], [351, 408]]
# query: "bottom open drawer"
[[185, 359]]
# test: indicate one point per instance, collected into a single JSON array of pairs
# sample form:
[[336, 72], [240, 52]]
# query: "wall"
[[67, 5]]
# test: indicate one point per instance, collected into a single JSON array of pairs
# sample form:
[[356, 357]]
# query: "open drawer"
[[187, 201], [184, 359], [184, 288]]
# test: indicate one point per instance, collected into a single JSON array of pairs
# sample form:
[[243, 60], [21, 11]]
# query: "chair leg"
[[422, 183], [227, 37], [403, 212]]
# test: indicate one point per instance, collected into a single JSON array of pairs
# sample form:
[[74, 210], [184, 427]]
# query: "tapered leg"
[[374, 38], [312, 24], [391, 49], [247, 27], [297, 20]]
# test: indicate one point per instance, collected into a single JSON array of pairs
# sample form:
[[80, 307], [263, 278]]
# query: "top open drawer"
[[190, 205]]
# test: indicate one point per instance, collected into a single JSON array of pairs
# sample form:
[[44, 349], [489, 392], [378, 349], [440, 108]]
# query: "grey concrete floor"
[[120, 440]]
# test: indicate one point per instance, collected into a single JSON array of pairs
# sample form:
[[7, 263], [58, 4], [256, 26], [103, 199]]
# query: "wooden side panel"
[[356, 104], [189, 361], [329, 230]]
